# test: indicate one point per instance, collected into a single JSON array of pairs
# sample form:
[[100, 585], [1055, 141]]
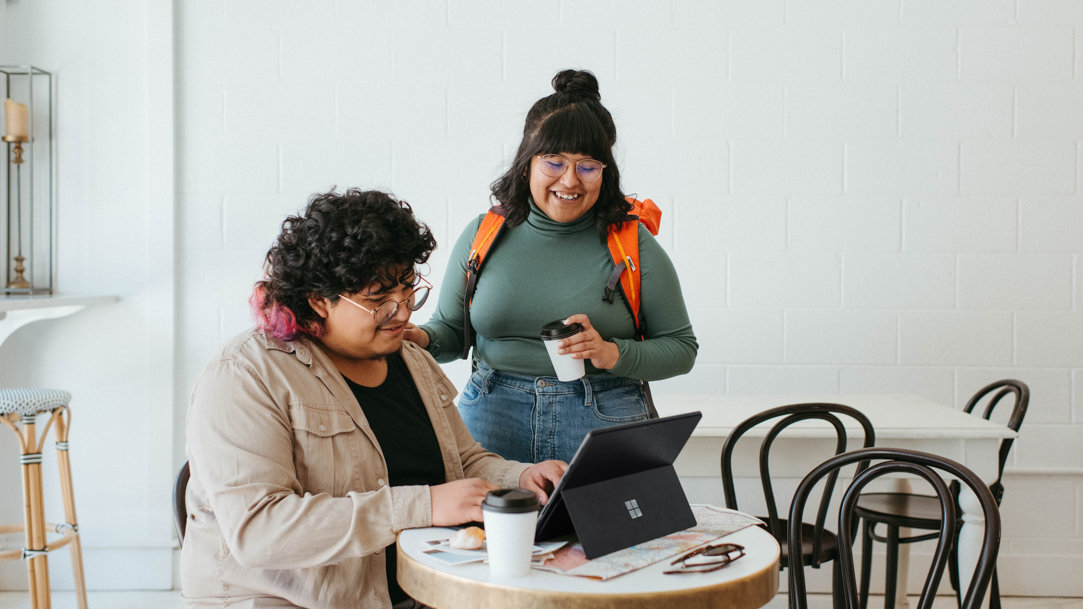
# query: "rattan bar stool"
[[19, 410]]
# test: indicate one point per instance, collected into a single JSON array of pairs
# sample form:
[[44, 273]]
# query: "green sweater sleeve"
[[670, 347], [445, 327]]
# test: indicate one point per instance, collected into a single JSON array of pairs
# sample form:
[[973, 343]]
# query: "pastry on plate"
[[469, 538]]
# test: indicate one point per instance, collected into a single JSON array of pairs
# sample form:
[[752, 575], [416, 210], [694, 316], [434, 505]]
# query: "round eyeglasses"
[[554, 166], [386, 311]]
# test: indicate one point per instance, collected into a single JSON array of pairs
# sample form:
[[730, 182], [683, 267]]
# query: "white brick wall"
[[826, 224], [917, 166], [960, 338], [1015, 281], [1050, 339], [753, 336], [898, 281], [1018, 167], [1015, 53], [841, 337], [1050, 224], [784, 280], [956, 110], [959, 224], [883, 52]]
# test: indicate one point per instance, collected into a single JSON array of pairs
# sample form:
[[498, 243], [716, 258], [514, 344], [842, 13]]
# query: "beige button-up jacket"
[[288, 504]]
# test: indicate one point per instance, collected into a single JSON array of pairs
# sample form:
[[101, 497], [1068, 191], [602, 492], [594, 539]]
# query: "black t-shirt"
[[403, 428]]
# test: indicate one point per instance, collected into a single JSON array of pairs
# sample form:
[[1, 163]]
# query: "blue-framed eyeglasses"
[[554, 166]]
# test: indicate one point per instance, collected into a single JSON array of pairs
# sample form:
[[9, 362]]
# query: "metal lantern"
[[29, 200]]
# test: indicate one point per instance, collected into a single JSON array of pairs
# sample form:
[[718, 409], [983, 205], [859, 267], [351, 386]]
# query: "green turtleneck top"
[[541, 271]]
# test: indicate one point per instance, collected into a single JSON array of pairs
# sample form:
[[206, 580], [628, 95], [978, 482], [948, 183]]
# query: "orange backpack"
[[623, 243]]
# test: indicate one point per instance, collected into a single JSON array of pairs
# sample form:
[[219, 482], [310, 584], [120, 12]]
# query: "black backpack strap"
[[473, 267]]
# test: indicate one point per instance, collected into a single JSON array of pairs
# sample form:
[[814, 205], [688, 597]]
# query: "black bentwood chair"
[[916, 511], [898, 461], [180, 508], [820, 545]]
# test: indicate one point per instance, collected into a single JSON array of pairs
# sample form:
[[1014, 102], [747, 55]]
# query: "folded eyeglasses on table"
[[711, 557]]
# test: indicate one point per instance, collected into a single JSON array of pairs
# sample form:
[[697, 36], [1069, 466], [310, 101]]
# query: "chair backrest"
[[991, 396], [180, 509], [790, 414], [894, 461]]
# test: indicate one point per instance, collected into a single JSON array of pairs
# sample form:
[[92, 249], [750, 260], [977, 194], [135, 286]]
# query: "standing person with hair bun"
[[560, 198]]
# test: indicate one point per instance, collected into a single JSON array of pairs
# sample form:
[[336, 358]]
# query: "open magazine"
[[711, 523]]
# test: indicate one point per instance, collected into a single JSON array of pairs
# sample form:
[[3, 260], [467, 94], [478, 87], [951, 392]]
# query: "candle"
[[17, 123]]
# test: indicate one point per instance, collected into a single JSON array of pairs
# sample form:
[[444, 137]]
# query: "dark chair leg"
[[866, 562], [890, 582], [994, 592], [953, 571], [791, 599], [838, 591]]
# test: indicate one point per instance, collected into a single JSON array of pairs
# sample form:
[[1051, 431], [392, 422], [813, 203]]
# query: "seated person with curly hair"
[[317, 436]]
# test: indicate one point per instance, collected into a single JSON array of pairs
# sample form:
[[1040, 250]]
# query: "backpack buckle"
[[614, 280]]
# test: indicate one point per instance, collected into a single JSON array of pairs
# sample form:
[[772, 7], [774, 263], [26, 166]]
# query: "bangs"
[[573, 129]]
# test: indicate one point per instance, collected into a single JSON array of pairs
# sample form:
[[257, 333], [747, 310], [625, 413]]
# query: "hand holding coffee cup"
[[567, 367], [510, 516], [587, 344]]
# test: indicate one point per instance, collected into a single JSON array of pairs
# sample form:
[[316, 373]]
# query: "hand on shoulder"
[[416, 335]]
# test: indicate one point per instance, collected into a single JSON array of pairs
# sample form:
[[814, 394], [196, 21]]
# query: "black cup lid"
[[555, 330], [510, 501]]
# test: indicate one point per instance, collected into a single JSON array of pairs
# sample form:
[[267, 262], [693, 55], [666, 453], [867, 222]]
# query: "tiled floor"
[[171, 600]]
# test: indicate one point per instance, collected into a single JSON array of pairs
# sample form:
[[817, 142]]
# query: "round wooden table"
[[747, 583]]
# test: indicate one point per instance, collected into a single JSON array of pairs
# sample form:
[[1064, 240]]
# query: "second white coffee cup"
[[567, 367], [510, 516]]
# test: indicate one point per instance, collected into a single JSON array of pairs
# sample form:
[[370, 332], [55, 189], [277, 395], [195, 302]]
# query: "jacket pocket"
[[325, 447], [445, 392]]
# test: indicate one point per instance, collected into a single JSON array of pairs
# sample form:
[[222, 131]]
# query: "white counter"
[[18, 310]]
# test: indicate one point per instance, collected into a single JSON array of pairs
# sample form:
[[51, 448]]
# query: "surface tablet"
[[620, 487]]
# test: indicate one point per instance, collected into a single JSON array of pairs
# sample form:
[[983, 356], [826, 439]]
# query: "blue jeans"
[[531, 419]]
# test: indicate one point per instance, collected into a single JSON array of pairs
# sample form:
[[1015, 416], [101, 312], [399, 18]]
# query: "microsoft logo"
[[633, 508]]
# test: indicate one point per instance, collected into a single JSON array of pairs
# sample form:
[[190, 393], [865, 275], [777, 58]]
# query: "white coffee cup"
[[567, 367], [510, 516]]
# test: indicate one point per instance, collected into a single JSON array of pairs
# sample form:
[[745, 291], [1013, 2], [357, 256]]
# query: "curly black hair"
[[571, 120], [340, 244]]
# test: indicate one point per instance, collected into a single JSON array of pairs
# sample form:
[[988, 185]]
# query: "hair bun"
[[577, 83]]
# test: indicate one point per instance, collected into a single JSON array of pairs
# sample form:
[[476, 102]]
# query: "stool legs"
[[37, 565], [34, 526], [68, 493]]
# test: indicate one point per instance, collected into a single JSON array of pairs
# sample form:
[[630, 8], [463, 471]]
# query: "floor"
[[171, 600]]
